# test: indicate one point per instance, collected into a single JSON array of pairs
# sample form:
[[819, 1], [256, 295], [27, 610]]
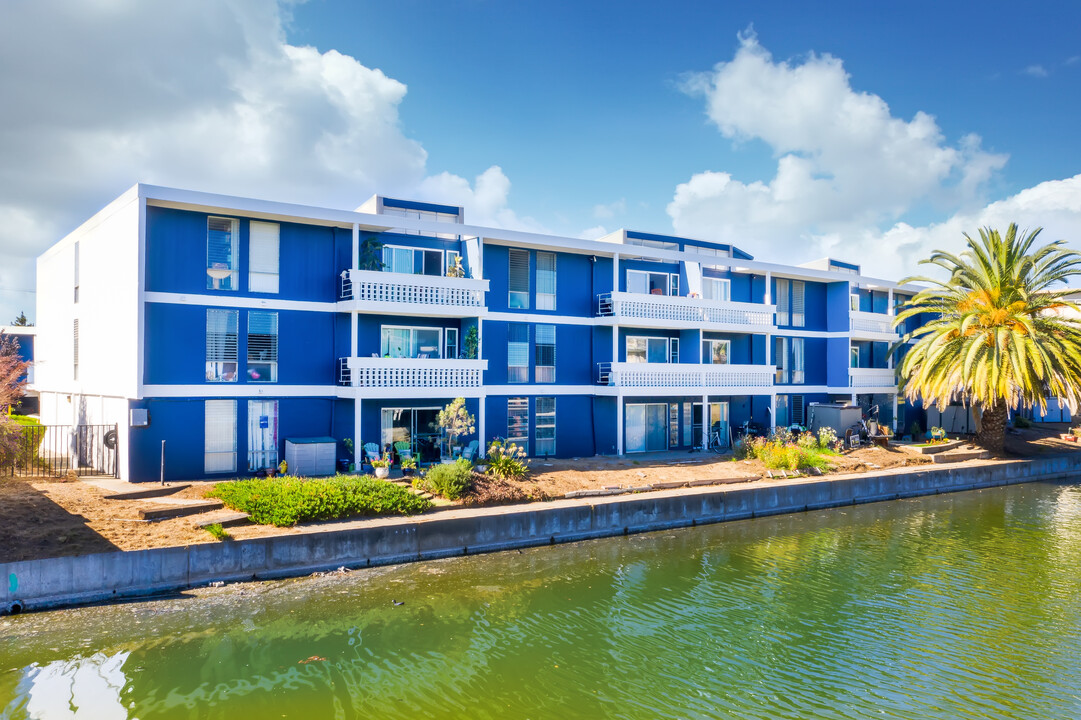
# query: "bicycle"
[[714, 443]]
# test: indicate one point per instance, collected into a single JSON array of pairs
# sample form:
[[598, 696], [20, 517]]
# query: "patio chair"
[[470, 451], [402, 448], [371, 452]]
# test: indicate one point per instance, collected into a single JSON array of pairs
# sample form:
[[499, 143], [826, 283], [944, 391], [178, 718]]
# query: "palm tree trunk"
[[992, 433]]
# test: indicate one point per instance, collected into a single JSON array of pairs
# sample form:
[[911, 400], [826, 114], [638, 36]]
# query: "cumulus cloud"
[[611, 210], [485, 201], [205, 94], [845, 164], [1036, 71]]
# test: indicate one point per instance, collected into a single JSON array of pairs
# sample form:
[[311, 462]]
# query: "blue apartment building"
[[224, 326]]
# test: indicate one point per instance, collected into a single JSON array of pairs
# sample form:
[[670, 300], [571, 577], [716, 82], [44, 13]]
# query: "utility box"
[[311, 457], [839, 416]]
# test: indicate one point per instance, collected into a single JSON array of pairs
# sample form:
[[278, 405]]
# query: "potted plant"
[[409, 466], [471, 343], [349, 463], [456, 270], [382, 466]]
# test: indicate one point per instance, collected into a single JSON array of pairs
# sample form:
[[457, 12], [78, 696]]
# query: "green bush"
[[23, 420], [786, 451], [1021, 422], [506, 462], [449, 480], [285, 501], [218, 532]]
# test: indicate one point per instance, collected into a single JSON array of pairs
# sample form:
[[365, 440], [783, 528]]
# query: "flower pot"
[[408, 472], [352, 467], [382, 472]]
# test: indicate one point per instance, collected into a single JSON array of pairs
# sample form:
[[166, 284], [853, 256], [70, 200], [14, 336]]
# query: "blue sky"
[[870, 131]]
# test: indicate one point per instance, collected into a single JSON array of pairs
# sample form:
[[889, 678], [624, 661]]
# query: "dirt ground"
[[58, 518]]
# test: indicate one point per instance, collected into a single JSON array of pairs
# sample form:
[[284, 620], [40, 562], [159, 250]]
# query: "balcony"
[[394, 377], [373, 291], [872, 379], [739, 379], [677, 311], [872, 326]]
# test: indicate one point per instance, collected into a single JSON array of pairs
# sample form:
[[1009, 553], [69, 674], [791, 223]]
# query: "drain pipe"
[[162, 462]]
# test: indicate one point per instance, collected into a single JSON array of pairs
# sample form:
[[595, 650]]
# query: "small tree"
[[370, 256], [21, 321], [454, 420], [471, 343], [12, 380]]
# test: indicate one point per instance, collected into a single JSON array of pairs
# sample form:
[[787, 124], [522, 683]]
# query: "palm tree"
[[998, 337]]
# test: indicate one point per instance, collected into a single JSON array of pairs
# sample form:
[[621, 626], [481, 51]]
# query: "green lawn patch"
[[286, 501]]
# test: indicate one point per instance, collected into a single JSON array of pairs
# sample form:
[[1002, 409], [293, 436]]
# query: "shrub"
[[785, 451], [1021, 422], [506, 462], [449, 480], [218, 532], [285, 501]]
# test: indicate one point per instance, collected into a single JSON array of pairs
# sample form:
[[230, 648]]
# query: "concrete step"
[[157, 491], [225, 520], [961, 456], [194, 508]]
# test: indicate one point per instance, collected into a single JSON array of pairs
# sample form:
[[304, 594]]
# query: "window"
[[780, 358], [673, 425], [75, 350], [518, 422], [263, 256], [262, 434], [545, 354], [412, 261], [647, 349], [221, 352], [651, 283], [781, 418], [797, 409], [426, 215], [716, 289], [219, 448], [673, 285], [222, 239], [518, 279], [546, 425], [76, 244], [417, 426], [517, 353], [673, 350], [798, 374], [782, 301], [546, 281], [450, 351], [409, 342], [453, 258], [716, 352], [688, 438], [799, 319], [854, 302], [262, 346], [854, 357]]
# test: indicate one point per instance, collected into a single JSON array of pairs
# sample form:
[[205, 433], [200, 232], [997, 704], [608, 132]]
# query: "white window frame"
[[723, 285], [448, 261], [267, 458], [782, 301], [647, 339], [707, 351], [546, 300], [544, 420], [517, 298], [226, 361], [219, 436], [413, 343], [544, 373], [271, 359], [223, 271], [668, 284], [853, 357], [517, 373], [673, 350], [264, 261], [799, 303], [518, 407], [415, 268], [854, 302], [780, 359], [450, 343]]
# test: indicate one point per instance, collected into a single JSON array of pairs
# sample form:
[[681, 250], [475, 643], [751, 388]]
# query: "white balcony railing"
[[686, 375], [876, 323], [871, 378], [668, 308], [373, 286], [410, 372]]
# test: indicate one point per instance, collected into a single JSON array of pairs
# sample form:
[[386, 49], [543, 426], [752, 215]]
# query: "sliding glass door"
[[647, 427], [416, 426]]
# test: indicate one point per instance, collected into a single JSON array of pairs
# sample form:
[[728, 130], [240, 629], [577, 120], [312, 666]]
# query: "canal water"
[[954, 606]]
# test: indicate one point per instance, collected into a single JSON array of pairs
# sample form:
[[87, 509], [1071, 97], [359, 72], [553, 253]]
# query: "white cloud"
[[845, 164], [598, 231], [1037, 71], [485, 202], [206, 95], [611, 210]]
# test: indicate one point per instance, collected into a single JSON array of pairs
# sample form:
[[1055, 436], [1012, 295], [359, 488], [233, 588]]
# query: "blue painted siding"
[[181, 423], [837, 307], [837, 362], [579, 279], [175, 346], [575, 415], [574, 364], [416, 205], [310, 257], [815, 307]]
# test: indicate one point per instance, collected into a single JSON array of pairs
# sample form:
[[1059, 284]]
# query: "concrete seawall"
[[56, 582]]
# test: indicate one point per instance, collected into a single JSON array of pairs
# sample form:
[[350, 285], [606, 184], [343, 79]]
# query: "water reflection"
[[956, 606]]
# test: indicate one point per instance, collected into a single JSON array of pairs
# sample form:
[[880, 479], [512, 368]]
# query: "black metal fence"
[[57, 450]]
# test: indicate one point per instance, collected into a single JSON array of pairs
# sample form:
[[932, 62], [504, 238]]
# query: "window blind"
[[545, 408], [798, 317], [518, 279], [221, 345], [782, 301], [263, 261], [545, 354], [518, 422], [219, 448], [546, 281], [518, 353], [222, 238]]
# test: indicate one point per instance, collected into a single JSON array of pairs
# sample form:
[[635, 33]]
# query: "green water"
[[957, 606]]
